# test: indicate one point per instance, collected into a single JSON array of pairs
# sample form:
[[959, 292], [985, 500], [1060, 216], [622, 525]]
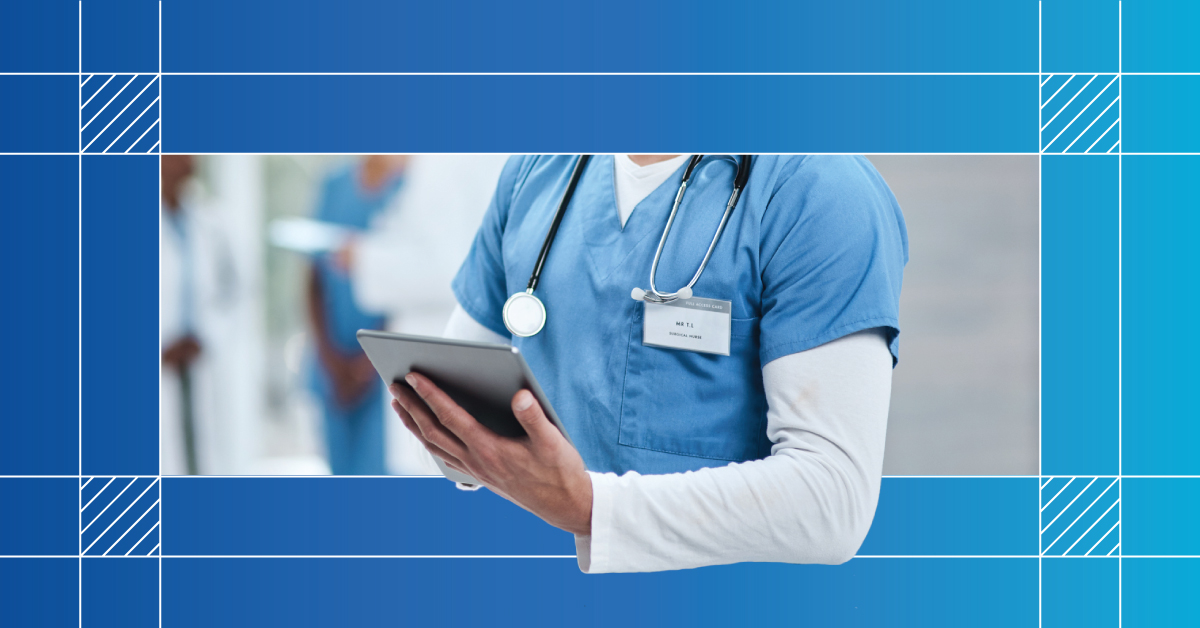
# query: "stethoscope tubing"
[[536, 275], [653, 296]]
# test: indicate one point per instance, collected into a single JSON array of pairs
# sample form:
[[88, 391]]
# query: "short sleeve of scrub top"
[[833, 250], [480, 285]]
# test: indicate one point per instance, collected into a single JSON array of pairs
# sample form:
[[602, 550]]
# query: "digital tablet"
[[481, 377]]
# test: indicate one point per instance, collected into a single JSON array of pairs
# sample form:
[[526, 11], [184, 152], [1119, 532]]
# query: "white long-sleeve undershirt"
[[811, 501]]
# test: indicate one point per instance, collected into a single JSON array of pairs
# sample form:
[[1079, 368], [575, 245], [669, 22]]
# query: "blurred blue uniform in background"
[[354, 428]]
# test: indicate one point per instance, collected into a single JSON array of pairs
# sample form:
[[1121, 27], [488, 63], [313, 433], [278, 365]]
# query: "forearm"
[[811, 501], [316, 316]]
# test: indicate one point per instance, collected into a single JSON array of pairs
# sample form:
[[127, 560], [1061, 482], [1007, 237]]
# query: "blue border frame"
[[1105, 535]]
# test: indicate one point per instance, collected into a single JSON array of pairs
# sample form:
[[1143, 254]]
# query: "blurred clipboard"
[[308, 236]]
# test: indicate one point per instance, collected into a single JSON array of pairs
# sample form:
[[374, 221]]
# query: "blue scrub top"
[[815, 250], [344, 202]]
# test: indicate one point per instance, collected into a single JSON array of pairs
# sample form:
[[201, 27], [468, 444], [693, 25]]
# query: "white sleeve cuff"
[[594, 552]]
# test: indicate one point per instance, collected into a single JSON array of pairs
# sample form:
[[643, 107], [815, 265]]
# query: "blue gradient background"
[[925, 528]]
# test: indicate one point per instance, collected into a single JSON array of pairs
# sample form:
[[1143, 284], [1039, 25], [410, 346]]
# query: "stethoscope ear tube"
[[536, 275], [739, 182]]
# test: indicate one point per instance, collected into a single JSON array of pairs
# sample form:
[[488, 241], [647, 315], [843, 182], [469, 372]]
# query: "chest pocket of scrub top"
[[696, 404]]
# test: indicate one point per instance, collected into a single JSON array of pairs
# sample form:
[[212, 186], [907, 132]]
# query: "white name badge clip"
[[693, 324]]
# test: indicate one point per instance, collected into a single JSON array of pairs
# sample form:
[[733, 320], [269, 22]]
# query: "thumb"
[[532, 418]]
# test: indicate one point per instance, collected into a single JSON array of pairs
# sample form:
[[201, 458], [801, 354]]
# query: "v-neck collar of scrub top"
[[608, 243]]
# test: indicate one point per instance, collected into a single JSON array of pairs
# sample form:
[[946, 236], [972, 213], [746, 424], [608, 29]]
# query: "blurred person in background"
[[402, 267], [197, 291], [347, 387]]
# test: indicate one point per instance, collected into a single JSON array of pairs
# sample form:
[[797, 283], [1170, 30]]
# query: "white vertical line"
[[157, 357], [1120, 317], [1040, 150], [79, 304]]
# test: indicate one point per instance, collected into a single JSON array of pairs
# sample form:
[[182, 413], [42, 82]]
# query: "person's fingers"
[[433, 431], [447, 411], [407, 420], [529, 412]]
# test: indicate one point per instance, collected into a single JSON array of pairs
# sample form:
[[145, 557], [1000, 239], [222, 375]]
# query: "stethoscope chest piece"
[[524, 315]]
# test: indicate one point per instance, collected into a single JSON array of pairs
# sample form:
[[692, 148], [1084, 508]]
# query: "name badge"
[[693, 324]]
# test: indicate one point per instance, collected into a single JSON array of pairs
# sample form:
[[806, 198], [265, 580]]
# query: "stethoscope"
[[524, 314]]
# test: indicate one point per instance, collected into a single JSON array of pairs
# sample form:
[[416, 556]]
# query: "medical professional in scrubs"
[[682, 458], [342, 376], [403, 265]]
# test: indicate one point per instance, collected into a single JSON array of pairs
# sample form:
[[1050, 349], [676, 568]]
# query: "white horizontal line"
[[438, 477], [379, 556], [606, 73], [74, 556], [735, 152], [561, 73]]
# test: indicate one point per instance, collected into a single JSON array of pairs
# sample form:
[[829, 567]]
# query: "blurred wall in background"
[[965, 395]]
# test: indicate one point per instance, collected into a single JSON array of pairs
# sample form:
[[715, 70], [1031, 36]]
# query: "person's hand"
[[342, 259], [181, 353], [351, 375], [540, 472]]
